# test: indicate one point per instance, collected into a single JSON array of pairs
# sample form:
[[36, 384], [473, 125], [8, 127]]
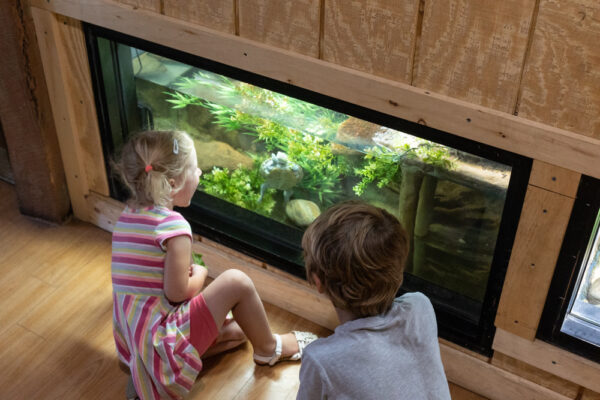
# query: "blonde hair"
[[358, 253], [149, 160]]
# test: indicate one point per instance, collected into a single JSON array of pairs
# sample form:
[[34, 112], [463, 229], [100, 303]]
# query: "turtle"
[[280, 173]]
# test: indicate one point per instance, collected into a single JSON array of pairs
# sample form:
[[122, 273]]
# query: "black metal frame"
[[570, 261], [286, 255]]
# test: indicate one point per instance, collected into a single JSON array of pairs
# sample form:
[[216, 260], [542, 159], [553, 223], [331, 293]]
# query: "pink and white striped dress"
[[152, 336]]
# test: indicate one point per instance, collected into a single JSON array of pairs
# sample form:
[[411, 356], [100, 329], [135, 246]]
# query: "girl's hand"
[[196, 269]]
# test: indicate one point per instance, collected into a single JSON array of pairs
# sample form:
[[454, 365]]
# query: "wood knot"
[[392, 102]]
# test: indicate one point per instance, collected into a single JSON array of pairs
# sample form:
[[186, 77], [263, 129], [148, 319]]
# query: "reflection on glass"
[[582, 319], [288, 160]]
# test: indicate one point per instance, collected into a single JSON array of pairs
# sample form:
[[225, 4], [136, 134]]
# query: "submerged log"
[[422, 221], [407, 207]]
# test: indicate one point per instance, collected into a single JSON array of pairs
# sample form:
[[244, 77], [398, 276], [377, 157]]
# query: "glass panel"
[[582, 319], [274, 162]]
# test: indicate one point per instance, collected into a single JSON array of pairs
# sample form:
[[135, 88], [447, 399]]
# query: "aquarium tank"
[[571, 317], [275, 156]]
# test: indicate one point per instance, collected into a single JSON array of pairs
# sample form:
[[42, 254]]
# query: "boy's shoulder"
[[410, 314], [415, 299]]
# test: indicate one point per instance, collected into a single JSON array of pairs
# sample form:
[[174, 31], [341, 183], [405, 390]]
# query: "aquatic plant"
[[253, 100], [322, 169], [382, 165], [240, 187]]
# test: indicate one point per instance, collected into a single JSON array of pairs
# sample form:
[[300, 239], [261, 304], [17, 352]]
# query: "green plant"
[[197, 258], [382, 164], [240, 187], [322, 169]]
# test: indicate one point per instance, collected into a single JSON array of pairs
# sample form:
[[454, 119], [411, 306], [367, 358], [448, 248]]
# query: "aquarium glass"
[[272, 162], [582, 319]]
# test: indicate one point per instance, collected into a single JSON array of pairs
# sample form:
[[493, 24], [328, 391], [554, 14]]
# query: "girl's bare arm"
[[179, 285]]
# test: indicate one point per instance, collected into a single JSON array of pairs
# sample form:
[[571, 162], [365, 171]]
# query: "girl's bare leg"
[[230, 336], [233, 290]]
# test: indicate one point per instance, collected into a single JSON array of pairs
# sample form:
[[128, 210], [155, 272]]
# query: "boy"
[[384, 348]]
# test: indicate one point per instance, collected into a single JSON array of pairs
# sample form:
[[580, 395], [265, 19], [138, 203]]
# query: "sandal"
[[303, 339], [130, 393]]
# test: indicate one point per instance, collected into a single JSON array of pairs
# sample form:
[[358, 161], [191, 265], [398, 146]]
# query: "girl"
[[163, 322]]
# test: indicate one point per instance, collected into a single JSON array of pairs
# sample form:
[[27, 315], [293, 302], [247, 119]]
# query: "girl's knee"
[[237, 279]]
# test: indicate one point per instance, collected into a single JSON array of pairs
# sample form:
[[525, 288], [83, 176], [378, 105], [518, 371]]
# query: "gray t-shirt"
[[395, 355]]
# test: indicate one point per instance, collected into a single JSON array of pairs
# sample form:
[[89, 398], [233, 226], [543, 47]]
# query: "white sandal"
[[303, 339]]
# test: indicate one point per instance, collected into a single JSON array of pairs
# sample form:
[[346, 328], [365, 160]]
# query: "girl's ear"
[[172, 182], [318, 283]]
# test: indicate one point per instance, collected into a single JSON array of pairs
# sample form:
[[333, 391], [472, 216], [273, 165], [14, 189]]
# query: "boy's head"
[[357, 252]]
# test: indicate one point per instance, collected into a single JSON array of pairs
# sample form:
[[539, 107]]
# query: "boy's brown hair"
[[358, 253]]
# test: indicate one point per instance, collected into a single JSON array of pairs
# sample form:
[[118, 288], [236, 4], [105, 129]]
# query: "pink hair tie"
[[148, 168]]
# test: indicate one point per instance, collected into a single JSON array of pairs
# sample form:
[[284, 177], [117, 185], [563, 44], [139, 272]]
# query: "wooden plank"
[[490, 381], [561, 78], [460, 393], [66, 68], [27, 123], [213, 14], [291, 25], [151, 5], [558, 147], [555, 179], [374, 36], [104, 211], [589, 395], [474, 50], [549, 358], [531, 373], [538, 240], [471, 353]]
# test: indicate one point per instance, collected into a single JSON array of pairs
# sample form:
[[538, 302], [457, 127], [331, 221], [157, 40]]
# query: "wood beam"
[[67, 72], [540, 233], [27, 121], [549, 358]]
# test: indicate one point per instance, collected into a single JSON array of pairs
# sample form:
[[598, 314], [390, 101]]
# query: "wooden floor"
[[56, 330]]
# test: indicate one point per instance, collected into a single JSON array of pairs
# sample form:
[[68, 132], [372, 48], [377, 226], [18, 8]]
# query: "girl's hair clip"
[[148, 168], [175, 146]]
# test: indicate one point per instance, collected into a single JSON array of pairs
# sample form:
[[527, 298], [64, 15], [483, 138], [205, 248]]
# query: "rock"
[[302, 212], [356, 132], [218, 154], [341, 150]]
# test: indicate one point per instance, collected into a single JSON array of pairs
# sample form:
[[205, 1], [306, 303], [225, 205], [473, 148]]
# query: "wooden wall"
[[533, 58], [517, 75]]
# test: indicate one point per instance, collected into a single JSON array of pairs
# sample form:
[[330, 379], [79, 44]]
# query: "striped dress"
[[152, 336]]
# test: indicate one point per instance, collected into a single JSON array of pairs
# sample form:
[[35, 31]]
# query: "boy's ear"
[[318, 283]]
